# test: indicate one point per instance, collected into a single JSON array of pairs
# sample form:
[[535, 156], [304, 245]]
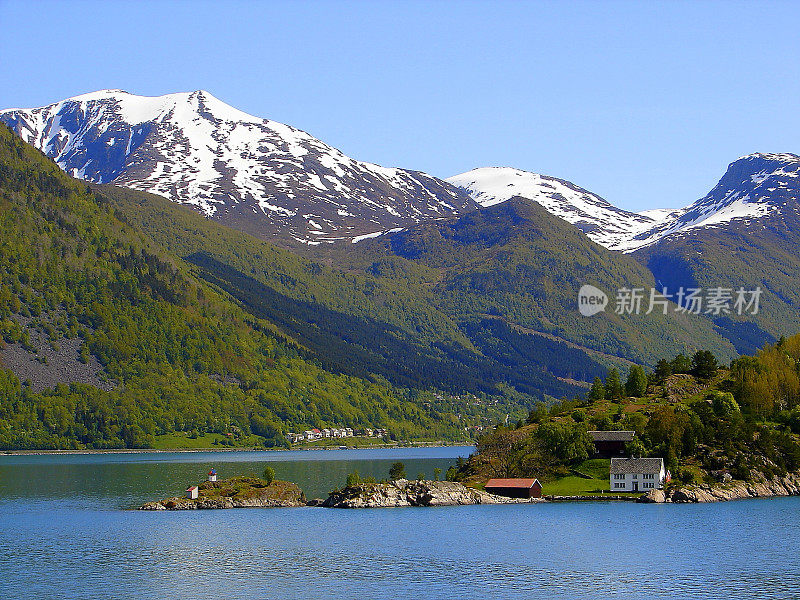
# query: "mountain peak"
[[255, 174], [602, 222], [100, 94], [754, 187], [772, 156]]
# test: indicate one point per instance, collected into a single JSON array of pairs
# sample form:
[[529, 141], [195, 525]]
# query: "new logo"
[[591, 300]]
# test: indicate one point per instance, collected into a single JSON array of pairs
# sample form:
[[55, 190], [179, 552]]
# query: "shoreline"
[[759, 487], [405, 493], [217, 449]]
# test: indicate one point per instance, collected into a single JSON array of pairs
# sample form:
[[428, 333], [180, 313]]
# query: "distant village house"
[[311, 435]]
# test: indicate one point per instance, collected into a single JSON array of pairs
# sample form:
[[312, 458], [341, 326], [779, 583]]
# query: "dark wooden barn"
[[611, 443], [515, 488]]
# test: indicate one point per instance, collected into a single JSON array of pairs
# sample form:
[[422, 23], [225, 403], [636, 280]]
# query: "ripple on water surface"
[[63, 534]]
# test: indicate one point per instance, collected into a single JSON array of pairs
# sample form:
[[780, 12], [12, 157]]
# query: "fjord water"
[[67, 531]]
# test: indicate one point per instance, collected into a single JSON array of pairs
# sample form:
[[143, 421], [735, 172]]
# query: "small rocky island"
[[236, 492], [404, 492], [253, 492]]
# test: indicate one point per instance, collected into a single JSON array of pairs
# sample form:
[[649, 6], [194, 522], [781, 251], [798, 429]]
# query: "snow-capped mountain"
[[273, 180], [754, 189], [604, 223], [258, 175]]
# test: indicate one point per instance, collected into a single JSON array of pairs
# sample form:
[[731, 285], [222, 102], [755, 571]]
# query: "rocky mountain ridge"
[[278, 182], [604, 223], [755, 189], [258, 175]]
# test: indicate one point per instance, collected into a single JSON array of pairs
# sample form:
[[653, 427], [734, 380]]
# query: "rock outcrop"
[[239, 492], [415, 493], [760, 487]]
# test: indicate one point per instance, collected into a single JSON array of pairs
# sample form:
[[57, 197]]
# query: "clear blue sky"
[[643, 103]]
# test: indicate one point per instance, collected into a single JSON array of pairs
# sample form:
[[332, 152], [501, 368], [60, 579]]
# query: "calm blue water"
[[66, 532]]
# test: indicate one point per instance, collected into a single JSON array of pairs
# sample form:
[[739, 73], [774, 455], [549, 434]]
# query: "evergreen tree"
[[613, 386], [538, 413], [662, 371], [598, 391], [704, 364], [397, 471], [269, 475], [681, 364], [636, 384], [635, 448]]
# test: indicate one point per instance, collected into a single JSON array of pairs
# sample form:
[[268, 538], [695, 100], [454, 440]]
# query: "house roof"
[[636, 465], [612, 436], [194, 487], [511, 483]]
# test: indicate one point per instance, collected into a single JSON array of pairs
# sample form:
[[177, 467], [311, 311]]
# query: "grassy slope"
[[184, 232], [573, 485], [382, 319]]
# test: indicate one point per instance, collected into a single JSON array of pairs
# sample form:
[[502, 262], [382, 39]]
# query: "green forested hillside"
[[378, 316], [484, 303], [709, 423], [517, 262], [173, 353], [734, 257]]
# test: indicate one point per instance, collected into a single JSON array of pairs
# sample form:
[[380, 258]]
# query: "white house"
[[192, 492], [637, 474]]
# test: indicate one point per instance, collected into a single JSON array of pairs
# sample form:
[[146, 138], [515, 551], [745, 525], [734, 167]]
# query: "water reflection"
[[126, 480], [62, 535]]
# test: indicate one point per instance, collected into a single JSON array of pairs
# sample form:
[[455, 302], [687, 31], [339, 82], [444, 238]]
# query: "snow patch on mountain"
[[604, 223], [658, 214], [754, 187], [254, 173]]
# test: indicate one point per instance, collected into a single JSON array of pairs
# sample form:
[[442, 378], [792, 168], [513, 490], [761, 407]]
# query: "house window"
[[619, 475], [635, 476]]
